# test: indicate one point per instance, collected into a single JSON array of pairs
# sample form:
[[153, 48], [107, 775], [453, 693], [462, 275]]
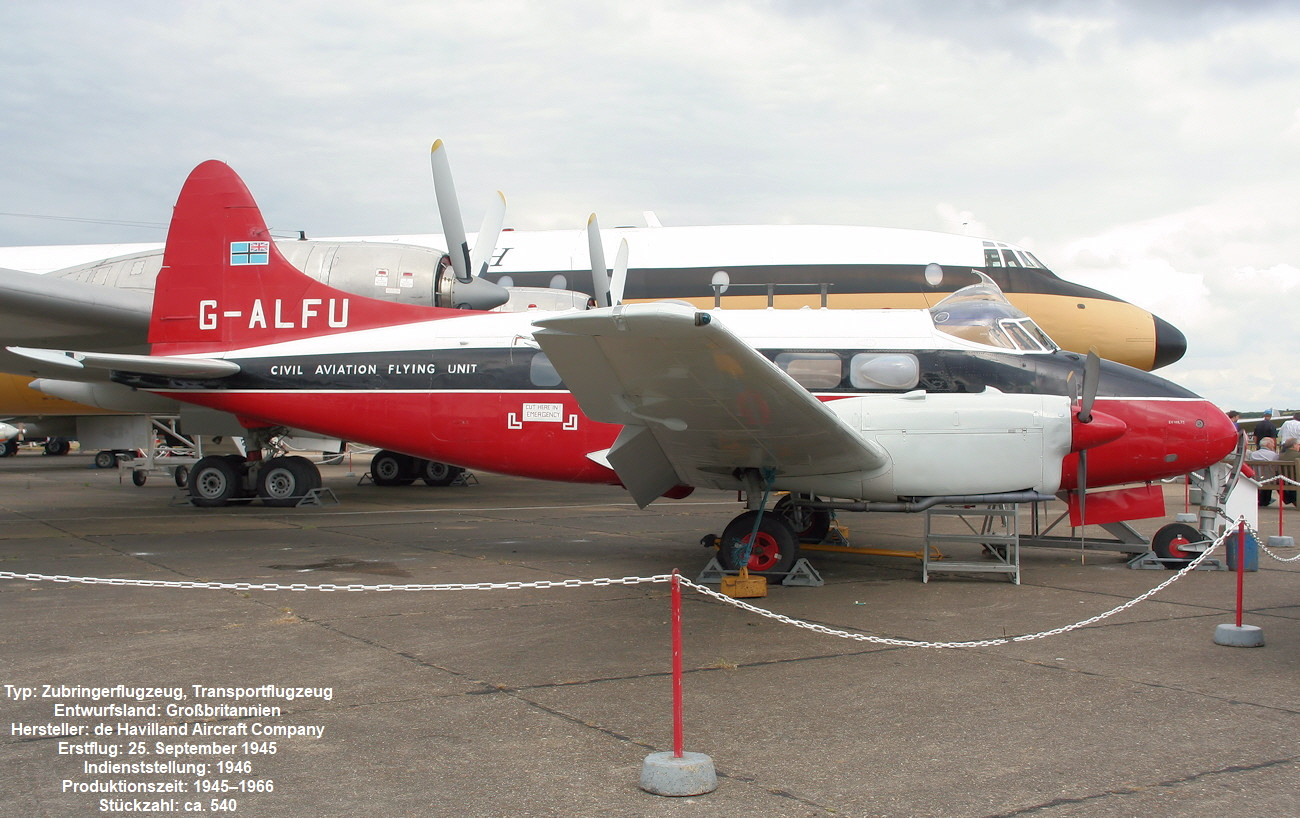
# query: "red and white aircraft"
[[968, 401]]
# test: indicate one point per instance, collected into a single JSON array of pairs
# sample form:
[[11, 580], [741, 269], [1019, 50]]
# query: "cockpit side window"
[[884, 370], [542, 372], [812, 370], [991, 258], [1010, 257]]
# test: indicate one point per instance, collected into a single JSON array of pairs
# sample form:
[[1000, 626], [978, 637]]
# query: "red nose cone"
[[1103, 428]]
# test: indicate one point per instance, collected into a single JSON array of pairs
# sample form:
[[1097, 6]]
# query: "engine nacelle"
[[392, 272], [961, 444]]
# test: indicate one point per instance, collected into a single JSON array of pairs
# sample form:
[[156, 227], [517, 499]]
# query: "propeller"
[[599, 273], [468, 290], [1091, 374], [608, 289]]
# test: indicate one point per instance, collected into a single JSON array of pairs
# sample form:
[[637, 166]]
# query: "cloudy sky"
[[1149, 149]]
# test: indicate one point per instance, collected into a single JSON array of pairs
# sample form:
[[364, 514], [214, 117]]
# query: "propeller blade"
[[619, 281], [599, 273], [453, 226], [1091, 375], [1082, 486], [486, 242]]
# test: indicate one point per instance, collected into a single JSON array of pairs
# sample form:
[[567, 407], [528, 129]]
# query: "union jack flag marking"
[[249, 252]]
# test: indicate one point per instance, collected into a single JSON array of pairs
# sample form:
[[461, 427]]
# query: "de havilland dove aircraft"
[[868, 409]]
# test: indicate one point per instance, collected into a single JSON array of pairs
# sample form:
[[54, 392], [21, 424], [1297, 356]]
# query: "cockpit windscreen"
[[981, 314]]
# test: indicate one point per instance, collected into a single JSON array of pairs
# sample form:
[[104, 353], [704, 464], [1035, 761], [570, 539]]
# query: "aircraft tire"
[[811, 525], [283, 481], [105, 460], [214, 482], [138, 477], [309, 469], [391, 469], [1168, 542], [57, 446], [181, 474], [774, 550], [434, 473], [10, 448]]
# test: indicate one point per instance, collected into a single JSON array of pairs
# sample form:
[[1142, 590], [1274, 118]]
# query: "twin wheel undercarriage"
[[285, 480]]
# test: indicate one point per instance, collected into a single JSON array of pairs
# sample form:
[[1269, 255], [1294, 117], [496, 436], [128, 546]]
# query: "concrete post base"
[[1246, 636], [665, 774]]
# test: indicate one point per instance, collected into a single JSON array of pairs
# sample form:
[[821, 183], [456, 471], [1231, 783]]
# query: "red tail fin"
[[224, 285]]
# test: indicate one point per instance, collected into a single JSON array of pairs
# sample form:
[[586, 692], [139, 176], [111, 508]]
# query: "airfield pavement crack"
[[1172, 783], [516, 693]]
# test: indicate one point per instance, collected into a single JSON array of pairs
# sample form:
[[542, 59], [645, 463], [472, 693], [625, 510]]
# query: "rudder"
[[224, 284]]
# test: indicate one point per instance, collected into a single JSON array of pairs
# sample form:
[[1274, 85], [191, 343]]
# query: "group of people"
[[1272, 443]]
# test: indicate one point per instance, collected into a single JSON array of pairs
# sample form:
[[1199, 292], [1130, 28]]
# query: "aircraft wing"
[[696, 402], [51, 310], [170, 366]]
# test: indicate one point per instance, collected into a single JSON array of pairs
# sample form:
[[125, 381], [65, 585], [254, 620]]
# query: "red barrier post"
[[677, 664]]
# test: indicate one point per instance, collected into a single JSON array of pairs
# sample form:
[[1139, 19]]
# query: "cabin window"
[[812, 370], [542, 372], [884, 370]]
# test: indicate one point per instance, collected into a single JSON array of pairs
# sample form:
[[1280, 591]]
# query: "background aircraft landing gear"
[[774, 549], [396, 469], [434, 473], [811, 525], [10, 448], [392, 469]]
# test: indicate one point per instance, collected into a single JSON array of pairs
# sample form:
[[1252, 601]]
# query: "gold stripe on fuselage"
[[1118, 330]]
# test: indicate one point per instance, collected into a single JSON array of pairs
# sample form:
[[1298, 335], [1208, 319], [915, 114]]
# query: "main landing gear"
[[396, 469], [768, 541], [279, 482]]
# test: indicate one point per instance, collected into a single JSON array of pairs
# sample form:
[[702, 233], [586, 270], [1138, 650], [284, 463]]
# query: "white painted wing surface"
[[676, 377]]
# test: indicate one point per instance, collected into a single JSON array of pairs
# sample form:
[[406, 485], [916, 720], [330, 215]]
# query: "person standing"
[[1290, 454], [1265, 429], [1290, 429]]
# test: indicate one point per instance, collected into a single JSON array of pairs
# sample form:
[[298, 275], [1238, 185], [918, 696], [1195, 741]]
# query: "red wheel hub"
[[764, 553], [1176, 547]]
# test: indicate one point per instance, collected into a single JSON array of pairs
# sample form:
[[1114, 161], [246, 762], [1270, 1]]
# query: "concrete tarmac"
[[545, 702]]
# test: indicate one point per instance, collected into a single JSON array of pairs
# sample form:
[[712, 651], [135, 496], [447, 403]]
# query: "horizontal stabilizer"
[[176, 367]]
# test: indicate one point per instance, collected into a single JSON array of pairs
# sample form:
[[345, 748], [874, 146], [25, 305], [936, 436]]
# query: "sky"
[[1147, 149]]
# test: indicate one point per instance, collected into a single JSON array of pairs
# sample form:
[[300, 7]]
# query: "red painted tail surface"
[[224, 285]]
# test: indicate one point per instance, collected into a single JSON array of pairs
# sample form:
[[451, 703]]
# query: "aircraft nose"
[[1171, 344], [1221, 434]]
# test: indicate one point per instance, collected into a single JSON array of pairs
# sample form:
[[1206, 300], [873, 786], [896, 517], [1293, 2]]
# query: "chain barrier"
[[299, 586], [658, 578], [977, 643]]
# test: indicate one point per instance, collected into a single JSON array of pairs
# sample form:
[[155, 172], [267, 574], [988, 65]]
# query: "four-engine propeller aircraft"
[[889, 409]]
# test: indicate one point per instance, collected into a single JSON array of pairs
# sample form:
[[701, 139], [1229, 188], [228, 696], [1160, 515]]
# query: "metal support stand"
[[998, 531]]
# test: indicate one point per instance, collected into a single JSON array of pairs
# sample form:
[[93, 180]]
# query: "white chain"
[[298, 586], [979, 643], [658, 578]]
